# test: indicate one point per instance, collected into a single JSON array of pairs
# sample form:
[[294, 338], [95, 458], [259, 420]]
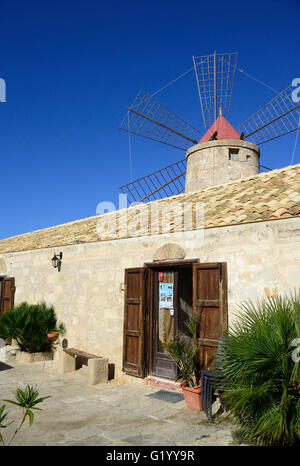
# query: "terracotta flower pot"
[[192, 396], [52, 335]]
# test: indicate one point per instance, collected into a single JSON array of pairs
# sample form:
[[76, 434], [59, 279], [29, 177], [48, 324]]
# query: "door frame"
[[151, 266], [146, 308], [156, 355]]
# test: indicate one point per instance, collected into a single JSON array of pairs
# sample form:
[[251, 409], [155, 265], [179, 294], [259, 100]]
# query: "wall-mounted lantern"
[[56, 261]]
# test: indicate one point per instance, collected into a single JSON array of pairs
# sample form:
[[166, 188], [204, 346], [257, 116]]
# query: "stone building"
[[129, 279]]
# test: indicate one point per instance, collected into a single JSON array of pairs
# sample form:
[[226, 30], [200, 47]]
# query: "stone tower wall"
[[220, 161]]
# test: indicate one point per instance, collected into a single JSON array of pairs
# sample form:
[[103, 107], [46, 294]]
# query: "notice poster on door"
[[166, 295]]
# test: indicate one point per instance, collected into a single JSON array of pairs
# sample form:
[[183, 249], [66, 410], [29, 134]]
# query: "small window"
[[233, 154]]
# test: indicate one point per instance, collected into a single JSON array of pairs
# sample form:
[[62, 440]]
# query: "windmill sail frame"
[[215, 76], [278, 117], [162, 183], [148, 118]]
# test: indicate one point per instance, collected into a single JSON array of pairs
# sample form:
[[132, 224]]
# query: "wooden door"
[[7, 294], [164, 321], [134, 353], [210, 305]]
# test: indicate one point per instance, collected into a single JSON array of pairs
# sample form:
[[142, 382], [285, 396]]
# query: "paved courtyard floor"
[[112, 414]]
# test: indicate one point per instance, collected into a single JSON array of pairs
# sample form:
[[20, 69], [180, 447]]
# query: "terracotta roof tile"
[[267, 196]]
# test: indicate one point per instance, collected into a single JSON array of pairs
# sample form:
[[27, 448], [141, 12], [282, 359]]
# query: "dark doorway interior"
[[185, 296], [172, 306]]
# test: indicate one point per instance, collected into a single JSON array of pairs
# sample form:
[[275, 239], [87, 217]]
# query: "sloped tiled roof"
[[267, 196]]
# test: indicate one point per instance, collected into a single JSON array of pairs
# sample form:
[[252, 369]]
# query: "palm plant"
[[258, 374], [26, 399], [184, 352], [29, 325], [3, 416]]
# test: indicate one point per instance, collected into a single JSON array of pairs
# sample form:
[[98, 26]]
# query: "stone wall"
[[208, 163], [263, 259]]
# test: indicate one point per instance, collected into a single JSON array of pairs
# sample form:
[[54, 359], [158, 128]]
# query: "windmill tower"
[[223, 153], [220, 156]]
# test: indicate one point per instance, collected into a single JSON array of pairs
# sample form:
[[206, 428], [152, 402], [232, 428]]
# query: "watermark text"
[[2, 90]]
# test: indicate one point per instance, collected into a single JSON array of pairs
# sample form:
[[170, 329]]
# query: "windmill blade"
[[148, 118], [215, 79], [278, 117], [166, 182]]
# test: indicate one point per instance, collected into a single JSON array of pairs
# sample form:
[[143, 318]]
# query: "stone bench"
[[97, 366]]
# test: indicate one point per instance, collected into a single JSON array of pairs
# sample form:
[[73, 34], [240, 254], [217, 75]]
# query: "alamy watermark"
[[2, 90], [296, 351], [163, 217], [296, 91]]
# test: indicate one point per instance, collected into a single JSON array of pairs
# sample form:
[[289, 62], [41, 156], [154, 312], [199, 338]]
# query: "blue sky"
[[71, 67]]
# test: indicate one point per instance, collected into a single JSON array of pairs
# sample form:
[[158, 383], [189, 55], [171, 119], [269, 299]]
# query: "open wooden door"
[[7, 294], [134, 354], [210, 304]]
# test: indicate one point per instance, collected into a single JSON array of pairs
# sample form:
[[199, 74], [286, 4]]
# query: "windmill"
[[215, 76]]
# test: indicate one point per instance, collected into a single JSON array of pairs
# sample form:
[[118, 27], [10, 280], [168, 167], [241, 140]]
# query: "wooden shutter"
[[7, 294], [210, 304], [134, 322]]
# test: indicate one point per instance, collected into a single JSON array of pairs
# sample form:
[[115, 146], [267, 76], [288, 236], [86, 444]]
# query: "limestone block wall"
[[263, 259]]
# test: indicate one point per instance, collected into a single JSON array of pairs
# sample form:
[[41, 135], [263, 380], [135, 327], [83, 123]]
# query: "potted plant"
[[184, 351], [53, 335], [30, 325]]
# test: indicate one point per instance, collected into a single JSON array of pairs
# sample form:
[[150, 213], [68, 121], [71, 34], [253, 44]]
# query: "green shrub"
[[184, 350], [29, 324], [258, 373]]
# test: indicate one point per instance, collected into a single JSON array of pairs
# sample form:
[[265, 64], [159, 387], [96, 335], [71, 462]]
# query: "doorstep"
[[158, 382]]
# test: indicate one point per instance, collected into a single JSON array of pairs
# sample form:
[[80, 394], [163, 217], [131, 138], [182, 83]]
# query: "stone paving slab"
[[112, 414]]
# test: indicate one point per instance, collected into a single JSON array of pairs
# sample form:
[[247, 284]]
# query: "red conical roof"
[[224, 129]]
